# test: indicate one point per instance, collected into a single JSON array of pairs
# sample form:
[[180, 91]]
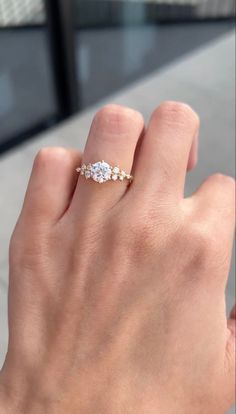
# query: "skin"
[[117, 293]]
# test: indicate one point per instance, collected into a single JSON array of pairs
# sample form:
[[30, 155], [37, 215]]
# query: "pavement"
[[205, 79]]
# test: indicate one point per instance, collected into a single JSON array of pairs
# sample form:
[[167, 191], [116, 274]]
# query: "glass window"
[[26, 85], [118, 42]]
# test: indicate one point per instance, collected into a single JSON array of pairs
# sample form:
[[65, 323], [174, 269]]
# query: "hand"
[[116, 301]]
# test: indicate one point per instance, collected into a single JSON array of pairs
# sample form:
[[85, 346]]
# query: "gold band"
[[102, 172]]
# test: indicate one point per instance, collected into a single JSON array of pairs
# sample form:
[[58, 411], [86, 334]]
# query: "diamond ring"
[[101, 172]]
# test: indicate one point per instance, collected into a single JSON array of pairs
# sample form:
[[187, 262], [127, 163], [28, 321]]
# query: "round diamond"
[[87, 174], [116, 170], [122, 175], [101, 172]]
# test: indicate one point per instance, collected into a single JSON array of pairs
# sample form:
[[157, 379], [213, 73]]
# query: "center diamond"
[[101, 172]]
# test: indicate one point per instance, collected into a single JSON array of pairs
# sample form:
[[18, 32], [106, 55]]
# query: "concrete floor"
[[205, 79]]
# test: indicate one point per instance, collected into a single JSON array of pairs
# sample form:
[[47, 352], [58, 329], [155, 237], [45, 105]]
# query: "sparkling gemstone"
[[114, 177], [101, 172], [122, 176], [116, 170], [87, 174]]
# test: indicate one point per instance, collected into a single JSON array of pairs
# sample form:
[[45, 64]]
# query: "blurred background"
[[62, 59], [58, 57]]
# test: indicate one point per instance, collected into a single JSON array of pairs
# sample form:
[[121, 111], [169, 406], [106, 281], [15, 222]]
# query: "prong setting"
[[102, 172]]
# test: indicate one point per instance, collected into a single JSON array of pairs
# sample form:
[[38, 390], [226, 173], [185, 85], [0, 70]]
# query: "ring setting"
[[102, 172]]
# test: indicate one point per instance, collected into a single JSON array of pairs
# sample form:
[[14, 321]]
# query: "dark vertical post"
[[62, 48]]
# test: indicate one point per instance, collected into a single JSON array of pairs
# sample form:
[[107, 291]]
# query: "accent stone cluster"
[[102, 172]]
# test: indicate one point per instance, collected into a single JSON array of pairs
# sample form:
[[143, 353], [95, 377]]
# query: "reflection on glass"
[[21, 12], [26, 91], [119, 42]]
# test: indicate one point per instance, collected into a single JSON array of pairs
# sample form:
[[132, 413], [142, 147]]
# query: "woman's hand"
[[116, 301]]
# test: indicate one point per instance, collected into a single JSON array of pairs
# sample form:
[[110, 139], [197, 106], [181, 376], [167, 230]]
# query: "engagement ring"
[[101, 172]]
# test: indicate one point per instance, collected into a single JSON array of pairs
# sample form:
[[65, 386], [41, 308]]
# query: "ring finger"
[[113, 138]]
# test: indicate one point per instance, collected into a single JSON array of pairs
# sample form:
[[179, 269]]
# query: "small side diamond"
[[114, 177], [122, 175], [87, 174], [83, 169], [89, 167], [116, 170]]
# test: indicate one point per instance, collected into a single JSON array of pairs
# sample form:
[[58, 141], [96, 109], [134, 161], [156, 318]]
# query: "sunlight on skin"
[[117, 291]]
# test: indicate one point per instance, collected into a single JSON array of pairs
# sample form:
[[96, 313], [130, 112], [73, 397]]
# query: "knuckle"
[[177, 112], [204, 240], [223, 180], [117, 118], [208, 258], [201, 244], [41, 156], [51, 154], [223, 188]]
